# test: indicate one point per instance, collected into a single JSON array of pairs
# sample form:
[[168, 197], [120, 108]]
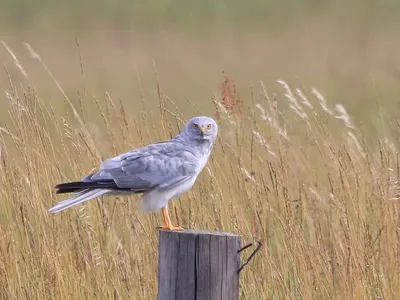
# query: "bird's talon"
[[171, 228]]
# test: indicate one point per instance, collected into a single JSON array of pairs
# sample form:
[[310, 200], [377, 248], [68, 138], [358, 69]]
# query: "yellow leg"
[[167, 225]]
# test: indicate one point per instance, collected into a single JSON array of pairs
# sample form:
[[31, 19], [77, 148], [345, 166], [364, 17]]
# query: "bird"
[[159, 172]]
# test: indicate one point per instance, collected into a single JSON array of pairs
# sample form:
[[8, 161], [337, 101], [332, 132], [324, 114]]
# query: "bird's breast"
[[185, 186], [202, 161]]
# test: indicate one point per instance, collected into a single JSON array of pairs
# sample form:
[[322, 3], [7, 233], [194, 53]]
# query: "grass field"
[[306, 160]]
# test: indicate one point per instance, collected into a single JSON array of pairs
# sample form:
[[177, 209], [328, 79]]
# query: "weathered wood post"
[[198, 265]]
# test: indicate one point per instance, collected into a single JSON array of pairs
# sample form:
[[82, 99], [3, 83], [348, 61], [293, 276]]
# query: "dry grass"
[[291, 170]]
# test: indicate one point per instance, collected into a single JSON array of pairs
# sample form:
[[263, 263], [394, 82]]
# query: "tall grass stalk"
[[292, 170]]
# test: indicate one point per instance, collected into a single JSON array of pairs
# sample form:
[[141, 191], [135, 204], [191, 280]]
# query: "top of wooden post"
[[196, 264], [202, 232]]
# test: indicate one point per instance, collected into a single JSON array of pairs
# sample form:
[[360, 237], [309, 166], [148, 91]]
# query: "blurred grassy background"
[[321, 199], [348, 49]]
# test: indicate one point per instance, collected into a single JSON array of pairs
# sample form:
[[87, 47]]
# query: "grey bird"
[[160, 171]]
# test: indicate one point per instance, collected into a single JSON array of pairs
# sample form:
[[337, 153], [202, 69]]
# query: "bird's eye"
[[209, 126], [195, 126]]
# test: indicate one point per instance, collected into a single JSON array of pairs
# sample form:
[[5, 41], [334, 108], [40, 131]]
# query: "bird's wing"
[[161, 165]]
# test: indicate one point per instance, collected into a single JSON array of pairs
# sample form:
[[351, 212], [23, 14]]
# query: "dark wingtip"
[[68, 187], [73, 187], [68, 184], [65, 191]]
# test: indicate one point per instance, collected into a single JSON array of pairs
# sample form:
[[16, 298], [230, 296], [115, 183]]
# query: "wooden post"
[[197, 265]]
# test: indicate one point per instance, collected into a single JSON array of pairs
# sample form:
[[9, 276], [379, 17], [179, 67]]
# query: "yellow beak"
[[203, 129]]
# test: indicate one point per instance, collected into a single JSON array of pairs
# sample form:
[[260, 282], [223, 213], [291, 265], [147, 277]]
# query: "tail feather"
[[86, 190], [82, 196], [78, 186]]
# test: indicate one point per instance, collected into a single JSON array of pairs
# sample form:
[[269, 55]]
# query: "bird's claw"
[[171, 228]]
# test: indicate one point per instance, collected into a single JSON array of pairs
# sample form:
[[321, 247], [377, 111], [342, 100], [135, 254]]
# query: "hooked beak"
[[203, 129]]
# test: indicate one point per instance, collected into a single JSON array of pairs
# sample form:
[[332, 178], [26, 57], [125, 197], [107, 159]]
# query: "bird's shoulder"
[[170, 151]]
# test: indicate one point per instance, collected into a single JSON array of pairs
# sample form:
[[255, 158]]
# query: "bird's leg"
[[166, 220], [167, 224]]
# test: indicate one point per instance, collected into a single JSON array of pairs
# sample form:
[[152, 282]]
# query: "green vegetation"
[[312, 172], [190, 14]]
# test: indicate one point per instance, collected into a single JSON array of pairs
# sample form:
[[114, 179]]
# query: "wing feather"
[[160, 165]]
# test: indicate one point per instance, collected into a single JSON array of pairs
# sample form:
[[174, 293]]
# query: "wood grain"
[[198, 265]]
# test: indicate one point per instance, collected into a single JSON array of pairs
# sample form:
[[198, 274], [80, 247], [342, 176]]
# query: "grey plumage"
[[159, 171]]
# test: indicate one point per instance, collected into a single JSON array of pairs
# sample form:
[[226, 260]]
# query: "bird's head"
[[202, 128]]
